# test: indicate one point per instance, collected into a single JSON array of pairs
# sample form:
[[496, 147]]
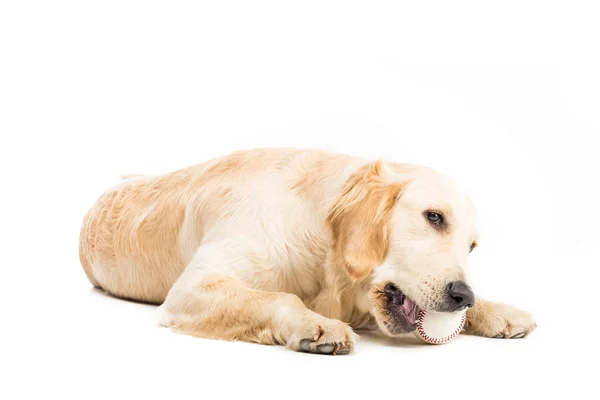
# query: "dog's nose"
[[460, 296]]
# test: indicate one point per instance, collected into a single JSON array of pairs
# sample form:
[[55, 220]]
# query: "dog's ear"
[[360, 217]]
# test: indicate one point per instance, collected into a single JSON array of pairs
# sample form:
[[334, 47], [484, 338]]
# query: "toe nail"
[[518, 335], [326, 348], [305, 344]]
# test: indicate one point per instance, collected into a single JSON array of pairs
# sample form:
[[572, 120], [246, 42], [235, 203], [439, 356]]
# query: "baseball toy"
[[439, 327]]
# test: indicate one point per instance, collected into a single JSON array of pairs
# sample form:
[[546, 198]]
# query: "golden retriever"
[[292, 247]]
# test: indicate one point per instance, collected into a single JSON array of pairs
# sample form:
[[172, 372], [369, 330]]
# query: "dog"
[[292, 247]]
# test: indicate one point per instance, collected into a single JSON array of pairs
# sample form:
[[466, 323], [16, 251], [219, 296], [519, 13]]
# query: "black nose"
[[460, 296]]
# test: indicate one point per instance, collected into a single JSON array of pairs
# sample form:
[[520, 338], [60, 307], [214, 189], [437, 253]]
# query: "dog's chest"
[[289, 246], [295, 255]]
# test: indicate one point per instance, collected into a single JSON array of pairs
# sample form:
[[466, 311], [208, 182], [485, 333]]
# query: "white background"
[[502, 96]]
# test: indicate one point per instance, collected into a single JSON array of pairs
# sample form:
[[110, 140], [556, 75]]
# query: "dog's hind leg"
[[206, 301]]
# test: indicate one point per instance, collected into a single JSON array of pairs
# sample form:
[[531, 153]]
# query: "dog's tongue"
[[409, 308]]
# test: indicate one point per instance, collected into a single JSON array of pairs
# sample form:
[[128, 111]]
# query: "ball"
[[438, 327]]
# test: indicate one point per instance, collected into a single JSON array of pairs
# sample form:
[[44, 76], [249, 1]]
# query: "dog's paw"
[[323, 336], [514, 324], [497, 320]]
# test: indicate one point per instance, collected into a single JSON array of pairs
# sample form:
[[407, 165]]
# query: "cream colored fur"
[[281, 246]]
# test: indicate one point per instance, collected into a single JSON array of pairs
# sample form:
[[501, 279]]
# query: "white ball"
[[438, 327]]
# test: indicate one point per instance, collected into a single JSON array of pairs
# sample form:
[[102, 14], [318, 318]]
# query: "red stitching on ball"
[[428, 338]]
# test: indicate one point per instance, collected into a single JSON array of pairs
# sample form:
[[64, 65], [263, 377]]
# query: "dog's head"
[[404, 233]]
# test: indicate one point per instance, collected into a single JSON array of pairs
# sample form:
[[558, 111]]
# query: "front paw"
[[497, 320], [323, 336]]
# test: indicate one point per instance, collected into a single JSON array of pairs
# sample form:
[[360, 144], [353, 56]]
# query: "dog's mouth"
[[402, 310]]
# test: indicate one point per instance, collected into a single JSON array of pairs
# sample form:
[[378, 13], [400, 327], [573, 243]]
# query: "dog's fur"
[[286, 247]]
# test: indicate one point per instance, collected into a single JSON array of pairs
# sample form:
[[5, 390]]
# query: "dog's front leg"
[[210, 300], [498, 320]]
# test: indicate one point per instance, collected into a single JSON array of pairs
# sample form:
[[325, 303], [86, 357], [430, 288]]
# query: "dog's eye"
[[473, 245], [435, 218]]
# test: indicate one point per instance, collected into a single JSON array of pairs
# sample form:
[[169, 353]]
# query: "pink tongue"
[[410, 310]]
